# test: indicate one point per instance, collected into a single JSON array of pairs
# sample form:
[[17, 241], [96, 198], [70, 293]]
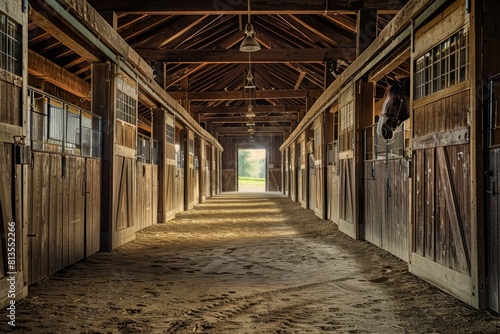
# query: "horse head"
[[395, 110]]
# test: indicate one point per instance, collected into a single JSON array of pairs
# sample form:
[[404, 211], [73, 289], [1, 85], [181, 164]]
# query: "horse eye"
[[394, 103]]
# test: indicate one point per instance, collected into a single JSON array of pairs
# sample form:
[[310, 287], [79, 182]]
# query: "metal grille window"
[[346, 118], [170, 134], [155, 153], [143, 148], [73, 125], [56, 122], [377, 147], [179, 158], [91, 135], [196, 163], [126, 107], [10, 45], [59, 127], [443, 66]]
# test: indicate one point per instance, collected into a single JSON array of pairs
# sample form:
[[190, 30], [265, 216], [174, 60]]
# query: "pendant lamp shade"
[[249, 44], [250, 112]]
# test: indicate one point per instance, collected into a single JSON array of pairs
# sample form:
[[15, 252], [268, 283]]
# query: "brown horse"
[[396, 108]]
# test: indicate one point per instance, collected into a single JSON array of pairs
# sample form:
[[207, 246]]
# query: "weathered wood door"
[[347, 193], [387, 205], [386, 191], [164, 133], [303, 173], [332, 194], [293, 171], [493, 196], [92, 188], [311, 174], [443, 202], [319, 168]]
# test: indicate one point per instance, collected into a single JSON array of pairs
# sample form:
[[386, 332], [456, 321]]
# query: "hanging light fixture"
[[250, 123], [251, 130], [251, 140], [250, 112], [249, 44], [250, 83]]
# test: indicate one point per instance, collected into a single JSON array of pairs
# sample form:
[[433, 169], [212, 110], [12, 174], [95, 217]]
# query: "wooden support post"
[[159, 134], [189, 171], [201, 153], [364, 101], [366, 29], [103, 85]]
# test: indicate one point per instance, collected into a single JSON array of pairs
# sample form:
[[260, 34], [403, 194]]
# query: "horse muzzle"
[[386, 132]]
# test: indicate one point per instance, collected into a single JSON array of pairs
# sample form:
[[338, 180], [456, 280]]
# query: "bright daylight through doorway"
[[251, 170]]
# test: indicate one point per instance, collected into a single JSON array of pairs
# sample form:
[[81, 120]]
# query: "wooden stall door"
[[346, 198], [11, 194], [333, 173], [286, 172], [92, 206], [493, 205], [387, 205], [274, 179], [346, 141], [319, 169], [311, 174], [303, 174], [179, 191], [124, 199], [57, 229], [293, 172], [443, 211], [146, 195], [493, 197]]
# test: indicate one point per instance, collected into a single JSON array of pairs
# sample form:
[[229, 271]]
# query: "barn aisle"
[[244, 263]]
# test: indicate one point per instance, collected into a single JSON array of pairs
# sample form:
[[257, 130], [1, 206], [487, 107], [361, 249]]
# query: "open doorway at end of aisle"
[[251, 170]]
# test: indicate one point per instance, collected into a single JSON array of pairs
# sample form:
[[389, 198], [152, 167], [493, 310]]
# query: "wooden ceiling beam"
[[45, 19], [257, 119], [264, 109], [241, 95], [202, 7], [215, 56], [299, 79], [43, 68], [179, 75], [139, 28], [243, 129], [399, 56], [331, 34], [159, 37]]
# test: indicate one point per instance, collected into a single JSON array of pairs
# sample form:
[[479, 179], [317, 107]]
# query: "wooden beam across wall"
[[227, 7], [43, 68], [239, 119], [231, 56], [258, 129], [38, 14], [240, 95], [293, 109]]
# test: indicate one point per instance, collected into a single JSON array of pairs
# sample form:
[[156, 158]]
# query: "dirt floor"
[[244, 263]]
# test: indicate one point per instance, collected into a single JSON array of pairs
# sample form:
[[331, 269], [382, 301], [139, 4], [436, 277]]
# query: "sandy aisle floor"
[[244, 263]]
